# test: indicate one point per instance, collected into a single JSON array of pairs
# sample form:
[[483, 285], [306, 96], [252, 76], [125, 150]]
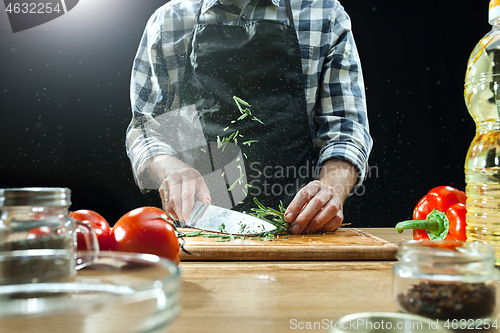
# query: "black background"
[[64, 102]]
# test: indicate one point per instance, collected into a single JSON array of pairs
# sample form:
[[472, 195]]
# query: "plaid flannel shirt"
[[334, 86]]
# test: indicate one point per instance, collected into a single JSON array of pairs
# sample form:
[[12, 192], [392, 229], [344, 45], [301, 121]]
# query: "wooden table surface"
[[258, 296], [279, 296]]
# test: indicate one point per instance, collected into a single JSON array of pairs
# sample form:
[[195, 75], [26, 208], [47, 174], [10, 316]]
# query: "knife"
[[212, 218]]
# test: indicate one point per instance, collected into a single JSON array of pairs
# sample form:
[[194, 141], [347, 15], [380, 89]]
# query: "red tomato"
[[39, 232], [100, 226], [146, 230]]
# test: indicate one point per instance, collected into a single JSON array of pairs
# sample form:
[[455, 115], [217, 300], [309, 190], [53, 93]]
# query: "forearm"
[[162, 166], [341, 175]]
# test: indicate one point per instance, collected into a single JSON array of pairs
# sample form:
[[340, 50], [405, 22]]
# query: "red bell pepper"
[[439, 215]]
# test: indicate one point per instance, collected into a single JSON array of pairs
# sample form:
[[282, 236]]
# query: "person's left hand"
[[316, 207]]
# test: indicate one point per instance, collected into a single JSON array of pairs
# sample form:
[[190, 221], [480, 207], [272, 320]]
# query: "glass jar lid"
[[450, 260], [444, 252], [35, 196]]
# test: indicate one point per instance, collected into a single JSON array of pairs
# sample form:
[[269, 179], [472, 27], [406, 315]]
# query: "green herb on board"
[[272, 216], [243, 228]]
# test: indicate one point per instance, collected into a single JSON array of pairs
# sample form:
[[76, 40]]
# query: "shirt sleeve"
[[343, 130], [149, 93]]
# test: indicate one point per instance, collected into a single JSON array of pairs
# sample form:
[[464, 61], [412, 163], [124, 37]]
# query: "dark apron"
[[260, 63]]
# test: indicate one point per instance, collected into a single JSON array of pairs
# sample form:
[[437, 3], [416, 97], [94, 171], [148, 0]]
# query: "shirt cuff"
[[345, 151], [141, 166]]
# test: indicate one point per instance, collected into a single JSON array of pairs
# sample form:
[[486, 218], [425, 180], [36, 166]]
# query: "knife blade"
[[217, 219]]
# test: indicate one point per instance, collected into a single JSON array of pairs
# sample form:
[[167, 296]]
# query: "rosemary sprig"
[[258, 120], [181, 235], [277, 217], [222, 143], [244, 112], [249, 142], [237, 181]]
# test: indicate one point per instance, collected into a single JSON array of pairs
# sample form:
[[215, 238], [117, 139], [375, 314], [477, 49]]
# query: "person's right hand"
[[181, 186]]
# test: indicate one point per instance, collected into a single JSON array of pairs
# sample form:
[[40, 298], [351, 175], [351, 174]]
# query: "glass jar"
[[447, 280], [38, 238]]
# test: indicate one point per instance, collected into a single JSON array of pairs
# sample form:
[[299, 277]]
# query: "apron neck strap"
[[289, 13], [287, 5]]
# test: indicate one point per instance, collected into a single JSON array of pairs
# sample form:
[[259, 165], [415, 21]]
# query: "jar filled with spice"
[[37, 235], [447, 280]]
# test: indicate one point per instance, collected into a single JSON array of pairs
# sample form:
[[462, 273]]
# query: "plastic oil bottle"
[[482, 165]]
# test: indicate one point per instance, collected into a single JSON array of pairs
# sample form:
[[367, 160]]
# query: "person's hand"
[[180, 190], [181, 186], [316, 207]]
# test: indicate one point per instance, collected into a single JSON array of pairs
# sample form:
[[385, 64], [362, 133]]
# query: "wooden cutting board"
[[343, 244]]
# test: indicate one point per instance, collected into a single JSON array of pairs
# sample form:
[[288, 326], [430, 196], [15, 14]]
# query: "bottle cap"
[[494, 10]]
